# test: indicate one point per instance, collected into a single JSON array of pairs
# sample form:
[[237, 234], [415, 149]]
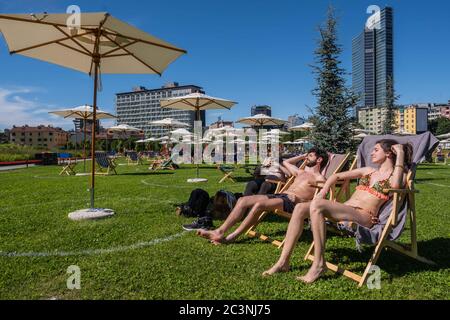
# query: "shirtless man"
[[300, 191]]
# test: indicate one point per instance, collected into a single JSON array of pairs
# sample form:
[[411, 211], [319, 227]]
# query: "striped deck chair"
[[68, 164], [104, 163], [393, 215], [133, 158], [336, 164]]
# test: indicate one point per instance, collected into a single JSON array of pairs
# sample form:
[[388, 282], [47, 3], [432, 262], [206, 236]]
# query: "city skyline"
[[233, 60]]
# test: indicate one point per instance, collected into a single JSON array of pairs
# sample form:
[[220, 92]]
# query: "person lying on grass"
[[300, 191], [362, 208]]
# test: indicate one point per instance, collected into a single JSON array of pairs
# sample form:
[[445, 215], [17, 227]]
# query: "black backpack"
[[196, 205]]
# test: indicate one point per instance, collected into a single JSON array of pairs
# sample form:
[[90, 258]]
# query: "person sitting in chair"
[[300, 191], [362, 208]]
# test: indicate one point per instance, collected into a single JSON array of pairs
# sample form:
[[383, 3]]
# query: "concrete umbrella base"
[[197, 180], [90, 214]]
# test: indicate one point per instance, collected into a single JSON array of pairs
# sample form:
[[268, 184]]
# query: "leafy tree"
[[439, 126]]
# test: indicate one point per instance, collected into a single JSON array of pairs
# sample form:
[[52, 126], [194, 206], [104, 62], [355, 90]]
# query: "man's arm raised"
[[290, 164]]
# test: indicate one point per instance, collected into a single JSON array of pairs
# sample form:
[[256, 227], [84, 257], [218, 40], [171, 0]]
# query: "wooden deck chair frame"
[[69, 167], [410, 250], [227, 175], [100, 169], [164, 164], [344, 188], [136, 162]]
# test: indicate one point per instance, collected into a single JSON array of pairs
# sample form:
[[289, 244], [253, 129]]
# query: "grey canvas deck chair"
[[335, 164], [394, 213], [133, 158], [104, 163]]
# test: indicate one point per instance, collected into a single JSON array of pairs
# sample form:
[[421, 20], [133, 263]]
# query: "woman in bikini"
[[363, 207]]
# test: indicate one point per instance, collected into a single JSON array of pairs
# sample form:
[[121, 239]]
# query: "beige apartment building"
[[46, 137], [372, 118]]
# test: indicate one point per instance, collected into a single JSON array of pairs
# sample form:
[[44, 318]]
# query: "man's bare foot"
[[313, 274], [276, 269], [211, 235]]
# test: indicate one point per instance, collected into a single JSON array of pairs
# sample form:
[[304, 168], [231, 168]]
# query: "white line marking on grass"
[[436, 184], [163, 185], [135, 246], [441, 174]]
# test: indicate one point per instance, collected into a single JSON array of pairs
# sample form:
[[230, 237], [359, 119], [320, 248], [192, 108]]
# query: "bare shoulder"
[[320, 178], [368, 170]]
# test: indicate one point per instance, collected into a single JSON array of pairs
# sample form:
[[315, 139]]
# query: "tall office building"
[[142, 106], [372, 59]]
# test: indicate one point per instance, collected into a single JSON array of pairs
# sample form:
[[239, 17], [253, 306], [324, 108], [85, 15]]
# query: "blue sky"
[[253, 52]]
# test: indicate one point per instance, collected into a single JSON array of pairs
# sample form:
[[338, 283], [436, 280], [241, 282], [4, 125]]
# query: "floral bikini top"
[[377, 188]]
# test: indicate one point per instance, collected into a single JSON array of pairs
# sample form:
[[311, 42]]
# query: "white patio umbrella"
[[84, 113], [123, 129], [197, 102], [360, 136], [181, 132], [99, 44], [444, 136], [261, 120], [304, 127], [170, 123]]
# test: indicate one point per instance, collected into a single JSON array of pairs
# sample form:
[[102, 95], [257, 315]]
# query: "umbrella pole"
[[198, 119], [84, 145], [96, 60]]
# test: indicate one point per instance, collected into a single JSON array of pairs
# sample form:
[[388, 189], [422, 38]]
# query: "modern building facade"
[[372, 118], [294, 120], [266, 110], [46, 137], [373, 59], [412, 119], [142, 106]]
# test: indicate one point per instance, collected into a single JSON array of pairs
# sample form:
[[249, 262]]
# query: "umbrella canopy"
[[99, 44], [304, 127], [277, 132], [170, 123], [261, 120], [197, 102], [123, 128], [181, 132], [444, 136], [368, 132], [85, 112], [360, 136], [121, 47]]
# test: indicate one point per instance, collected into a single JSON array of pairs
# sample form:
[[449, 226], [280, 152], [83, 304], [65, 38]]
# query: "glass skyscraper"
[[372, 59]]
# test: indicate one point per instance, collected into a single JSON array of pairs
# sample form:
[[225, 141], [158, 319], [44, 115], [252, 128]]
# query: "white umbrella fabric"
[[99, 44], [84, 113]]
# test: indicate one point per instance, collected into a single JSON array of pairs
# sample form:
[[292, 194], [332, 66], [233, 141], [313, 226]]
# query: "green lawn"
[[35, 203]]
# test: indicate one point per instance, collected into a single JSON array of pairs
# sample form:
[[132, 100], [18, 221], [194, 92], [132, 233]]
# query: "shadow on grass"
[[157, 173], [395, 263]]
